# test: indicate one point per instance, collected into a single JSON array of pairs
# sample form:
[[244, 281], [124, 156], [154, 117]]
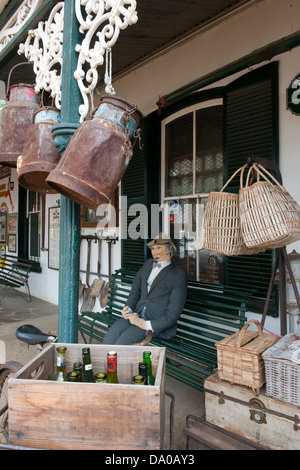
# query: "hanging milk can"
[[98, 154], [16, 118], [39, 155]]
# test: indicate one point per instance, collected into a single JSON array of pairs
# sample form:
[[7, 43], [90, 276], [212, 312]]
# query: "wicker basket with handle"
[[240, 356], [221, 229], [269, 216]]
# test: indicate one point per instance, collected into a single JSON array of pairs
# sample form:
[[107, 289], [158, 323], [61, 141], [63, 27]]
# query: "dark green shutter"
[[251, 128], [140, 186]]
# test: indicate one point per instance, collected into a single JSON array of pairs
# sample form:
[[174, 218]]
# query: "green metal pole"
[[70, 211]]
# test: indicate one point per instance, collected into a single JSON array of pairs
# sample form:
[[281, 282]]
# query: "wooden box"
[[65, 415], [240, 356], [263, 420]]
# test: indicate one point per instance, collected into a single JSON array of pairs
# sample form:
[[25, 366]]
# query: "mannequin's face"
[[160, 252]]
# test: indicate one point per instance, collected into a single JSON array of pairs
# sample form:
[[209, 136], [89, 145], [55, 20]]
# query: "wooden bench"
[[211, 313], [14, 273]]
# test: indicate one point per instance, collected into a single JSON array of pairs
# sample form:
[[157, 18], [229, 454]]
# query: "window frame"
[[206, 103]]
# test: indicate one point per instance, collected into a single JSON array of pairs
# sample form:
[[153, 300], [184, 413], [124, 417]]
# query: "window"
[[192, 156]]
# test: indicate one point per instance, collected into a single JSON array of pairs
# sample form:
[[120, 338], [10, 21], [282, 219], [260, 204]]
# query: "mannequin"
[[156, 299]]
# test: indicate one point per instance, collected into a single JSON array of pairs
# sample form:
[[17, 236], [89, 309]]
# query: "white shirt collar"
[[161, 264]]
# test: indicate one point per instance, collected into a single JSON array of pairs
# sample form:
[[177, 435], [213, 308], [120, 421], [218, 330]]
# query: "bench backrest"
[[211, 312], [13, 271]]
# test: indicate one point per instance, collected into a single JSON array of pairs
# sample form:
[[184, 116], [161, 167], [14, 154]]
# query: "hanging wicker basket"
[[221, 229], [270, 217]]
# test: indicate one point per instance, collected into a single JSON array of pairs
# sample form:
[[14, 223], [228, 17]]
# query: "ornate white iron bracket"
[[44, 47], [17, 21], [112, 16]]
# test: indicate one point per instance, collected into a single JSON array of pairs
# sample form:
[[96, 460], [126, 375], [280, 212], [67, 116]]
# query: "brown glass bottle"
[[143, 370], [73, 376], [112, 373], [77, 367], [138, 380]]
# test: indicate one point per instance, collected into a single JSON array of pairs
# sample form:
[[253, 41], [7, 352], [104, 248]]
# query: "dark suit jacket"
[[165, 300]]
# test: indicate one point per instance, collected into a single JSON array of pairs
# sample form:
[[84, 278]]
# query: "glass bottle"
[[147, 357], [88, 375], [112, 373], [73, 376], [143, 370], [77, 367], [100, 377], [60, 374], [138, 380]]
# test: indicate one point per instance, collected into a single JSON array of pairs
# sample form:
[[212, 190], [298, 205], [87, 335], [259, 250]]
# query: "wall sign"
[[53, 238], [293, 96]]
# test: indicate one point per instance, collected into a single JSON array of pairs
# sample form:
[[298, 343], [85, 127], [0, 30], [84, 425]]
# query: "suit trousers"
[[123, 332]]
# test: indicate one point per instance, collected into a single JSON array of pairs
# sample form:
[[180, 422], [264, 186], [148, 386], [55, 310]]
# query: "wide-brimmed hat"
[[161, 239]]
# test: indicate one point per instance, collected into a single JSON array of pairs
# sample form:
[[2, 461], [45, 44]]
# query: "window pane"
[[209, 149], [179, 156], [185, 224]]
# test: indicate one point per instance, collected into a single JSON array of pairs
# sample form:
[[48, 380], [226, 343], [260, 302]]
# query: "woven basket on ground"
[[269, 216], [221, 230]]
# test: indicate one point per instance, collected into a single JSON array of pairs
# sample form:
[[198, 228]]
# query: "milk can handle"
[[243, 331], [9, 76]]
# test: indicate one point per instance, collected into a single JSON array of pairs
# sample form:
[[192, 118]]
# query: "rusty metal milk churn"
[[16, 118], [98, 154], [39, 156]]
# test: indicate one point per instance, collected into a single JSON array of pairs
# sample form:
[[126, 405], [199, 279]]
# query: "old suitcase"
[[65, 415], [264, 420], [240, 356]]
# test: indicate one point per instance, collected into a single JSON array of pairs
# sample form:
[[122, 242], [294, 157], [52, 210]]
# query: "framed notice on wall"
[[53, 237]]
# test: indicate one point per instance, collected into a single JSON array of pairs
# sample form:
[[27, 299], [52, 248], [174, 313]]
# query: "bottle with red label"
[[112, 373]]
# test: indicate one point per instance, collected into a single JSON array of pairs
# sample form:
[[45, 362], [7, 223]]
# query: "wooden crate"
[[53, 415], [263, 420], [240, 356]]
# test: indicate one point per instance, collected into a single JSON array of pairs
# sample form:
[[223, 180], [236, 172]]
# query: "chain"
[[136, 133]]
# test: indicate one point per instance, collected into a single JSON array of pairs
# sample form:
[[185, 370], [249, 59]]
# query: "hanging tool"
[[81, 284], [87, 289], [97, 284], [104, 294]]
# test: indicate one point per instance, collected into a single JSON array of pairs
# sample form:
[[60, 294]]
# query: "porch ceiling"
[[161, 24]]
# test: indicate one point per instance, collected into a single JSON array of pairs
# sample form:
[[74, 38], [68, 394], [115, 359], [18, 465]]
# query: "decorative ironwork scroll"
[[43, 47], [101, 22], [17, 21]]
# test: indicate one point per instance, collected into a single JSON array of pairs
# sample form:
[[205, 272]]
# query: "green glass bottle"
[[88, 375], [147, 357], [73, 376], [112, 373], [60, 375], [77, 367], [138, 380], [100, 377]]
